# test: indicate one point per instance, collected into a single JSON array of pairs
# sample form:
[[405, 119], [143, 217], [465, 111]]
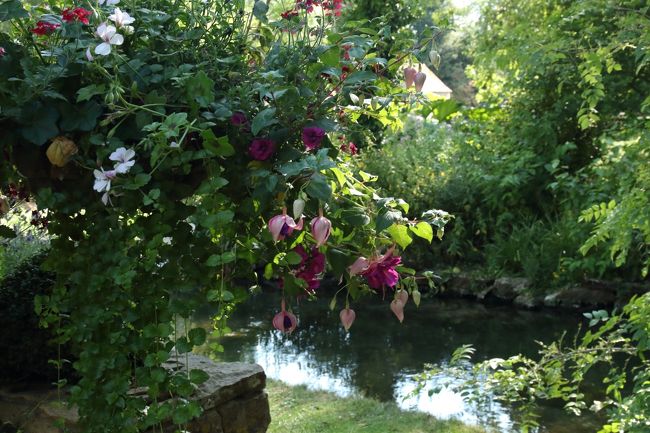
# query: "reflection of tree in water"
[[379, 351]]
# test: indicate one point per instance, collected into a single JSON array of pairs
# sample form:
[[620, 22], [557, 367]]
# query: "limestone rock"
[[527, 300], [249, 415], [577, 296], [508, 289]]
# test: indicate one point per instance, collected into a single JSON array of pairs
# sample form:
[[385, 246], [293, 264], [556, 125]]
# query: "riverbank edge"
[[297, 408]]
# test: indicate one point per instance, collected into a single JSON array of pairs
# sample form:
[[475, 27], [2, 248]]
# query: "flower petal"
[[103, 49]]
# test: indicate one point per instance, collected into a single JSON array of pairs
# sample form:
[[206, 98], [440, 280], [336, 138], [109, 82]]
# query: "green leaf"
[[81, 118], [6, 232], [319, 188], [293, 258], [183, 346], [400, 234], [12, 9], [360, 77], [268, 271], [85, 93], [40, 123], [219, 146], [387, 218], [423, 230], [197, 336], [139, 181], [198, 376], [263, 119], [200, 89], [260, 9]]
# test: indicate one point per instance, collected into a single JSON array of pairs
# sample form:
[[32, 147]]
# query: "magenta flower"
[[2, 52], [311, 266], [360, 265], [381, 271], [312, 136], [320, 229], [347, 316], [409, 76], [261, 149], [238, 119], [285, 321], [283, 225]]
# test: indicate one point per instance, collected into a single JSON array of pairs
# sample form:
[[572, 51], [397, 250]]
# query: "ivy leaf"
[[423, 230], [400, 234], [263, 119], [12, 9]]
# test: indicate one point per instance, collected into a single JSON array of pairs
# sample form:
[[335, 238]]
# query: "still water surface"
[[379, 358]]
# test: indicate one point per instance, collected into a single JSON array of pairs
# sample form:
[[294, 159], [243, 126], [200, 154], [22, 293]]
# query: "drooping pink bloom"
[[311, 266], [420, 78], [2, 51], [409, 76], [381, 271], [312, 136], [283, 225], [261, 149], [347, 316], [397, 307], [285, 321], [320, 229]]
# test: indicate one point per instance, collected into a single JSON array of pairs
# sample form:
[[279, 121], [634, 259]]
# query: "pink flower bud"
[[409, 76], [420, 78], [402, 295], [320, 229], [397, 308], [285, 321], [360, 265], [347, 316]]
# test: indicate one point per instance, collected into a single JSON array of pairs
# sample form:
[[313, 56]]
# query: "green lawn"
[[296, 409]]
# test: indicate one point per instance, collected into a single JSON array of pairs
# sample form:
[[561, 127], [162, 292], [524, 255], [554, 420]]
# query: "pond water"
[[380, 357]]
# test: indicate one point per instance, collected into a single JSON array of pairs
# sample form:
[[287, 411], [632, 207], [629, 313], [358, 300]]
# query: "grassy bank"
[[298, 410]]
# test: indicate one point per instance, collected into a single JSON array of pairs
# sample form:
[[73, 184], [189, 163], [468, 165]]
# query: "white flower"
[[174, 145], [121, 18], [167, 240], [107, 34], [124, 158], [108, 2], [89, 55], [103, 180]]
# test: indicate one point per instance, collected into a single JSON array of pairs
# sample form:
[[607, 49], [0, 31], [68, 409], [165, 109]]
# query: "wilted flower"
[[312, 136], [261, 149], [107, 33], [283, 225], [123, 158], [285, 321], [347, 316], [44, 28], [320, 229], [60, 151], [409, 76], [121, 18], [420, 78], [76, 14]]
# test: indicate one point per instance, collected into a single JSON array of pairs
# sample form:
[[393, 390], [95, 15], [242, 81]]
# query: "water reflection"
[[379, 357]]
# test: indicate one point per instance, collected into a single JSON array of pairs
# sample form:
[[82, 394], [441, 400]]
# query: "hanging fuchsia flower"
[[312, 136], [420, 78], [320, 229], [2, 52], [44, 28], [285, 321], [76, 14], [311, 266], [409, 76], [380, 271], [402, 295], [283, 225], [261, 149], [347, 316], [360, 265]]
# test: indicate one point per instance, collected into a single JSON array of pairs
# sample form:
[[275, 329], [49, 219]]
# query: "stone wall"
[[233, 401]]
